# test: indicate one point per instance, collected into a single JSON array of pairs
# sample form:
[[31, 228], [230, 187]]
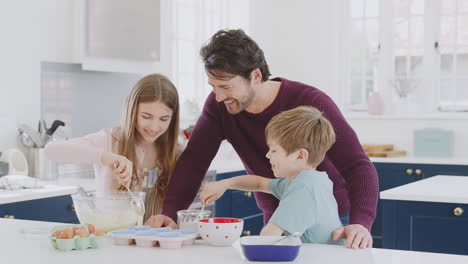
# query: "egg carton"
[[144, 236], [76, 242]]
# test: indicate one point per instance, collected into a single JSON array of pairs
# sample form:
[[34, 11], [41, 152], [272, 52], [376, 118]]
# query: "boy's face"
[[282, 164], [234, 91]]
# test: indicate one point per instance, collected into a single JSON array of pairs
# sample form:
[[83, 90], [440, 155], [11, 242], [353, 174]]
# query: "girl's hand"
[[123, 168], [212, 191]]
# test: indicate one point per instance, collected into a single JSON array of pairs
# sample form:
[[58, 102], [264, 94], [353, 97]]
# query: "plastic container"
[[152, 237], [260, 248], [76, 242]]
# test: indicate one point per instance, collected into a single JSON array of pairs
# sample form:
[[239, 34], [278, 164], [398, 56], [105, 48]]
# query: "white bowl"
[[220, 231]]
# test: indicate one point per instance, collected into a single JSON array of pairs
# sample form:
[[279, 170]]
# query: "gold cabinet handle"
[[418, 172], [248, 194], [458, 211], [72, 208], [409, 171], [246, 233], [6, 216], [9, 216]]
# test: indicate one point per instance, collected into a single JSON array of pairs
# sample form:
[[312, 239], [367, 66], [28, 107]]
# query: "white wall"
[[31, 31], [298, 39]]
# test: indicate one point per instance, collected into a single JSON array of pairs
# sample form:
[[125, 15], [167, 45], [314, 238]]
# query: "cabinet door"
[[122, 29], [121, 36], [429, 170], [432, 227], [253, 225], [55, 209], [243, 204], [391, 175]]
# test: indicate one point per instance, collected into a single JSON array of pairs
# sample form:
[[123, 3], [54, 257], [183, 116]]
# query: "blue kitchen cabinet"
[[53, 209], [392, 175], [240, 204], [425, 226]]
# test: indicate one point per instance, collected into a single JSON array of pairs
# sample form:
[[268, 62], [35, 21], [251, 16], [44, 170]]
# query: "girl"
[[140, 153]]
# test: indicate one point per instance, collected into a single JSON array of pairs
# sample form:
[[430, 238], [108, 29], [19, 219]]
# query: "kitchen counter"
[[13, 196], [440, 189], [60, 187], [18, 247], [423, 160]]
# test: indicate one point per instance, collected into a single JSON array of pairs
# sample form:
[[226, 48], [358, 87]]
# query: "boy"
[[298, 140]]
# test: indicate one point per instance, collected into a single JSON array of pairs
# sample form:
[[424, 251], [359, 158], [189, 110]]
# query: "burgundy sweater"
[[355, 181]]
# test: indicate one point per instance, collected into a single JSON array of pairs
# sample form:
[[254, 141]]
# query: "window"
[[413, 51], [364, 50], [194, 23], [452, 48]]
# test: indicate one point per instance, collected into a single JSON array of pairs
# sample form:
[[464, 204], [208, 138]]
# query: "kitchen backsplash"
[[86, 101]]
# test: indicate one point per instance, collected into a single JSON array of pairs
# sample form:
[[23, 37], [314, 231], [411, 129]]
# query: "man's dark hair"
[[232, 51]]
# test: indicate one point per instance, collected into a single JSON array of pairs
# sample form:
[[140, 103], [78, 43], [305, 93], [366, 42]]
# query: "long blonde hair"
[[151, 88]]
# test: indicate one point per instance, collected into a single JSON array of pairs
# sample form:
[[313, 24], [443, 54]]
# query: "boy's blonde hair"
[[302, 127]]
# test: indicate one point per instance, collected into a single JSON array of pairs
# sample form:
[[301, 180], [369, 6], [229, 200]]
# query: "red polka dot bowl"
[[220, 231]]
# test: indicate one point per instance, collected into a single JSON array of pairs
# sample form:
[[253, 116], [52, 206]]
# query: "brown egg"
[[66, 234], [99, 233], [82, 233], [74, 229], [56, 233], [91, 229]]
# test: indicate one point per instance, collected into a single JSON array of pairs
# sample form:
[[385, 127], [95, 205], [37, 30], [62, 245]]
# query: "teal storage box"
[[433, 142]]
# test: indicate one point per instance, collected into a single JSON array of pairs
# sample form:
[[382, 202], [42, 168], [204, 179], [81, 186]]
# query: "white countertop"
[[60, 187], [439, 189], [18, 247], [422, 160]]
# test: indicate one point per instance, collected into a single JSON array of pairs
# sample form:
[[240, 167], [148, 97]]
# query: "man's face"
[[234, 91]]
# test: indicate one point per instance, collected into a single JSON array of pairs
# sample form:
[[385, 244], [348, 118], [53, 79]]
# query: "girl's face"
[[153, 119]]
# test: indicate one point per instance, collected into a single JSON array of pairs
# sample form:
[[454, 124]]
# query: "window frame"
[[427, 98]]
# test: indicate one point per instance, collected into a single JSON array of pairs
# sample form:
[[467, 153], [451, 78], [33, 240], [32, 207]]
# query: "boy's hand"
[[212, 191], [357, 236]]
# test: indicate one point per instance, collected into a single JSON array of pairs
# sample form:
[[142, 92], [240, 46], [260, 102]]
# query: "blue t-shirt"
[[307, 205]]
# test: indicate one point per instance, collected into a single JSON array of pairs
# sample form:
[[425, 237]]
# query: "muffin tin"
[[78, 243], [144, 236]]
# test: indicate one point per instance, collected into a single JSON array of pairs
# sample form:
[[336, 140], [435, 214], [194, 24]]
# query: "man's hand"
[[357, 236], [156, 221], [212, 191]]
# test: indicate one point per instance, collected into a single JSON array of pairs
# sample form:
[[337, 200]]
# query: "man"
[[242, 103]]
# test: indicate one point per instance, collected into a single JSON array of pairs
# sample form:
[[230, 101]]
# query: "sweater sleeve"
[[86, 149], [194, 162], [353, 164]]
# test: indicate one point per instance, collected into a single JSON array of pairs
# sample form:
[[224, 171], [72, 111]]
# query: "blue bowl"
[[258, 248]]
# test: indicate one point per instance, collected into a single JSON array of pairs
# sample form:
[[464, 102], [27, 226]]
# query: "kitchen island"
[[428, 215], [26, 242]]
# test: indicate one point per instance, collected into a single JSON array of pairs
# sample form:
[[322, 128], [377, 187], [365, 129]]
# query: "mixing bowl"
[[110, 212]]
